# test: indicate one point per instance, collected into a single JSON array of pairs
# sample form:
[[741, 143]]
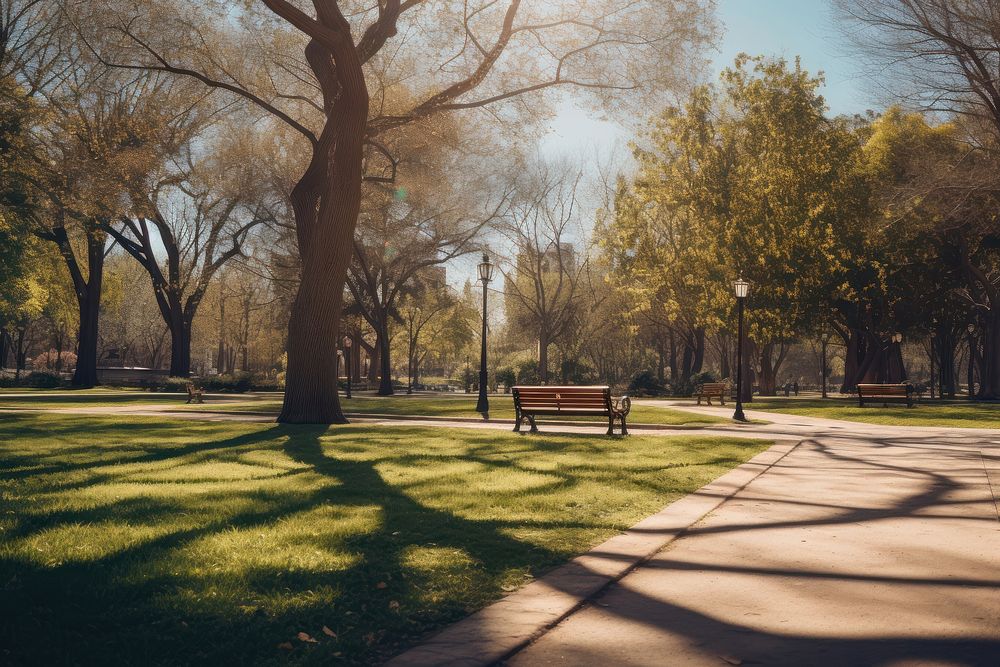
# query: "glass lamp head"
[[741, 288]]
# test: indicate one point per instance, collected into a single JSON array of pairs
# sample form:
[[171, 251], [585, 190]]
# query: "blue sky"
[[785, 28], [790, 28]]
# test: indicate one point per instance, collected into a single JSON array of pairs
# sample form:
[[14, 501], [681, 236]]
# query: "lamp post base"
[[738, 415]]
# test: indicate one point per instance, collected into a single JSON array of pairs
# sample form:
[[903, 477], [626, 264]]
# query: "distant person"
[[795, 387]]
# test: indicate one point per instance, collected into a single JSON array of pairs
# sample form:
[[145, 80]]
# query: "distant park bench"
[[883, 393], [194, 393], [710, 389], [530, 402]]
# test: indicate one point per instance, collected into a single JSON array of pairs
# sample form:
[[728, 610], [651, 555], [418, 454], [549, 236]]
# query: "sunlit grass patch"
[[961, 414], [149, 541]]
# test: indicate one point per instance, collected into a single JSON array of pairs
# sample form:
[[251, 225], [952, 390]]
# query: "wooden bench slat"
[[574, 400], [885, 392]]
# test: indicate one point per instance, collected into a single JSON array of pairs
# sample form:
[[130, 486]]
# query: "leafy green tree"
[[748, 178]]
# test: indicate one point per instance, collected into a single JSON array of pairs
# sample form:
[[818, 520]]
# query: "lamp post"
[[972, 353], [825, 338], [742, 289], [933, 335], [485, 275], [347, 362]]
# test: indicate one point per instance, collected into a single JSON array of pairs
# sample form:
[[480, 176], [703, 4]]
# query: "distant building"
[[550, 259]]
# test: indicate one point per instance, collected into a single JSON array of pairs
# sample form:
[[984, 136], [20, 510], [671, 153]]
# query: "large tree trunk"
[[326, 201]]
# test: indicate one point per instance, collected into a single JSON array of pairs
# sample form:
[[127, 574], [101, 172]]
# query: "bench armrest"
[[623, 405]]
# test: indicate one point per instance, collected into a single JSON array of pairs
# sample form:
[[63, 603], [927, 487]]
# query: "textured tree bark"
[[385, 383], [699, 351], [990, 380], [180, 346], [88, 296], [326, 202]]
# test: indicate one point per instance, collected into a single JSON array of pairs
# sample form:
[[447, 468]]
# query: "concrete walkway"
[[863, 545]]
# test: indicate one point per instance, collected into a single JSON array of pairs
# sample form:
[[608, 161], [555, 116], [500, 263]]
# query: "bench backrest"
[[884, 389], [562, 398], [713, 388]]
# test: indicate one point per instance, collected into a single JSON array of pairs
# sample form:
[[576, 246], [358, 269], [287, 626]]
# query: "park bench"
[[194, 393], [884, 393], [710, 389], [531, 402]]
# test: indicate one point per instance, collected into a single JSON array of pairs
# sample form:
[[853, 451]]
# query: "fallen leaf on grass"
[[393, 605], [380, 585], [286, 645], [304, 637], [328, 632]]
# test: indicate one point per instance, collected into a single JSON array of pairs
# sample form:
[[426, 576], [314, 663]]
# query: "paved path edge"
[[503, 628]]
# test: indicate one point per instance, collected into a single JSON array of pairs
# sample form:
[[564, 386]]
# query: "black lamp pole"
[[742, 288], [972, 361], [483, 404], [825, 338], [347, 363]]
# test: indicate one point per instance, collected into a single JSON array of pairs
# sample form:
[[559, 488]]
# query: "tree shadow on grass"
[[144, 604]]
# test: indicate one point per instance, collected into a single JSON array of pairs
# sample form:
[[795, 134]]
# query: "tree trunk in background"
[[945, 348], [4, 347], [768, 371], [699, 351], [88, 294], [989, 383], [373, 361], [686, 363], [851, 361], [673, 357], [543, 357], [180, 348], [660, 360], [385, 384]]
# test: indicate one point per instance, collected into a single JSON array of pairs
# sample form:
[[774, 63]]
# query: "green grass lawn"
[[79, 398], [463, 405], [128, 540], [926, 413]]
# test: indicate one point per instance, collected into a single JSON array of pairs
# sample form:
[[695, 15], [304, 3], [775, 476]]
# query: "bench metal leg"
[[611, 426], [517, 421], [534, 426], [624, 427]]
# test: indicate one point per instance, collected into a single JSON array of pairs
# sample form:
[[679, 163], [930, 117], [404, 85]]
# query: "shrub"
[[687, 387], [577, 372], [50, 359], [645, 383], [41, 380], [507, 377], [527, 372]]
